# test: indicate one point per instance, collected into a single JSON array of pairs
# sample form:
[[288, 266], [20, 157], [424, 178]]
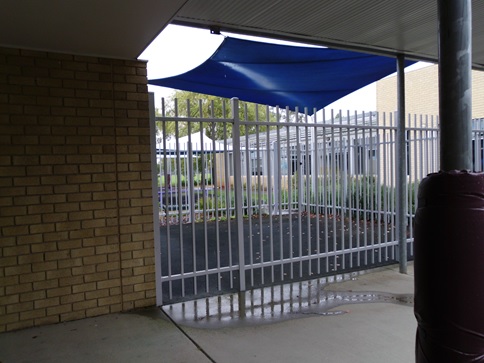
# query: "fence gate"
[[253, 196]]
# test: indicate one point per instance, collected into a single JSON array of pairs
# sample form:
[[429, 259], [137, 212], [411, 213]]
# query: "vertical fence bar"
[[308, 185], [392, 193], [316, 171], [386, 209], [358, 192], [190, 195], [379, 188], [372, 184], [365, 187], [401, 184], [248, 174], [414, 145], [215, 185], [343, 186], [289, 158], [325, 192], [279, 187], [154, 199], [333, 188], [239, 220], [180, 212], [350, 179], [423, 155], [299, 185], [163, 192], [227, 198], [268, 154], [259, 205], [201, 194], [436, 143]]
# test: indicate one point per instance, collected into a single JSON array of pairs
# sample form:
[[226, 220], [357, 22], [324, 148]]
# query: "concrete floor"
[[363, 318]]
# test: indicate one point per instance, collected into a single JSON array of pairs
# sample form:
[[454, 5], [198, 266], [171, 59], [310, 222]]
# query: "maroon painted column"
[[449, 268], [449, 222]]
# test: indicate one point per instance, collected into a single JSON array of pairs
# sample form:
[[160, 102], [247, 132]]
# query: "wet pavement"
[[359, 317], [279, 303]]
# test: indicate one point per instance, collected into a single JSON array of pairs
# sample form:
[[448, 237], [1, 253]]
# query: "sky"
[[179, 49]]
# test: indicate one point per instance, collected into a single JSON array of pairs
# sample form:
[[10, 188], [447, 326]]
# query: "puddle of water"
[[275, 304]]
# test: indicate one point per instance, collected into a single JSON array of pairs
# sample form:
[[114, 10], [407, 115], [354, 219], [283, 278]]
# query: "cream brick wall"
[[422, 108], [422, 93], [75, 191]]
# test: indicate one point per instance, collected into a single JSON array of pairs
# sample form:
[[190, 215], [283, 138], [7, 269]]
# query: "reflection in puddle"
[[274, 304]]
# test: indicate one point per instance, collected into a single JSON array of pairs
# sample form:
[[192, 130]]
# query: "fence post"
[[239, 218], [155, 200], [276, 152], [401, 167]]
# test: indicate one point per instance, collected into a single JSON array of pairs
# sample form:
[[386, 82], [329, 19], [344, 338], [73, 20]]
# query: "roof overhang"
[[123, 29], [106, 28], [386, 27]]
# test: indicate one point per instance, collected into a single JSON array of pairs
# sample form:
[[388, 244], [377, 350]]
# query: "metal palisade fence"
[[258, 196]]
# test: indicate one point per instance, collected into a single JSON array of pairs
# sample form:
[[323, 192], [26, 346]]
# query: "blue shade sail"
[[281, 75]]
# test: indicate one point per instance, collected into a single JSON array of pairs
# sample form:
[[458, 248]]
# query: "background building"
[[422, 92]]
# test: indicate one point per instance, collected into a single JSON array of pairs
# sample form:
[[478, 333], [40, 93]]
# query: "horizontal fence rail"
[[252, 196]]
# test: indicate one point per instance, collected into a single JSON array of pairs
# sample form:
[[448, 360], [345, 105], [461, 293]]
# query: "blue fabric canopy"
[[281, 75]]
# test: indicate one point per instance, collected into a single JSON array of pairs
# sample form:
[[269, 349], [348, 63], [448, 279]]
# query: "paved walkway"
[[365, 318]]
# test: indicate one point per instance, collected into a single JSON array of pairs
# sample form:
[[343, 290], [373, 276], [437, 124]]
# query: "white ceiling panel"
[[111, 28], [123, 29], [380, 26]]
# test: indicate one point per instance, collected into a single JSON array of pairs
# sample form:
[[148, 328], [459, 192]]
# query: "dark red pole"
[[449, 268], [449, 222]]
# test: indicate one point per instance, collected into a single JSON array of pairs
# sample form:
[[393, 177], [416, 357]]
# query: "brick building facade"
[[422, 93], [76, 223]]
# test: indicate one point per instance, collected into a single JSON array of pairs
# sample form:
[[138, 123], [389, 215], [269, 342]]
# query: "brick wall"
[[422, 92], [75, 189]]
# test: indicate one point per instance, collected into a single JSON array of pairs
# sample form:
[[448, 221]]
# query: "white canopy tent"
[[197, 142]]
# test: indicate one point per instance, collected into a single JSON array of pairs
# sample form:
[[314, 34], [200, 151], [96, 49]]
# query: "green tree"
[[196, 105]]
